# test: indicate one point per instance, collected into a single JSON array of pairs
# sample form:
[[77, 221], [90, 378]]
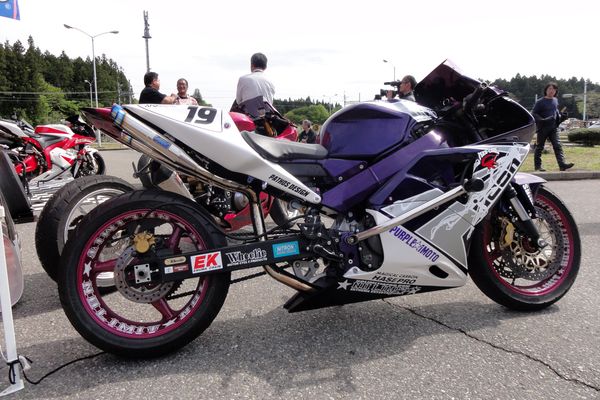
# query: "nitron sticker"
[[286, 249]]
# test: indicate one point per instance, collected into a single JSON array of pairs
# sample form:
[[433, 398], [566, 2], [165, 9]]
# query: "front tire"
[[65, 209], [515, 274], [147, 319], [100, 164], [92, 164]]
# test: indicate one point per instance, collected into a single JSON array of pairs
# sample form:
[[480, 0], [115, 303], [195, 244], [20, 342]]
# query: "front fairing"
[[445, 82], [498, 117]]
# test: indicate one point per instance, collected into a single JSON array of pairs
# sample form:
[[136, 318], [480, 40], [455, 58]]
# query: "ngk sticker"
[[207, 262]]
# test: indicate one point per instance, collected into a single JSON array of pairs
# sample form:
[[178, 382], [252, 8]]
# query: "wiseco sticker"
[[207, 262]]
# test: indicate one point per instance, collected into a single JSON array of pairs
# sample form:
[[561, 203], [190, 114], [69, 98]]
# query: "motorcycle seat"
[[277, 150]]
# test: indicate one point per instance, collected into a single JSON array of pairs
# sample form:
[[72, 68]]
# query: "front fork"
[[521, 218], [82, 156]]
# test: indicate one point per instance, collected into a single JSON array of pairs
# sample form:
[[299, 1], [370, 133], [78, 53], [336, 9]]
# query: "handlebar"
[[472, 99]]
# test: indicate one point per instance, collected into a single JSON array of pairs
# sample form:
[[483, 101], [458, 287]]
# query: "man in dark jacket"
[[547, 117]]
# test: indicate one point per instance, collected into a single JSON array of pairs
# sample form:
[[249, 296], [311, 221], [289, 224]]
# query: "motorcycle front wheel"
[[65, 209], [140, 320], [87, 167], [511, 271]]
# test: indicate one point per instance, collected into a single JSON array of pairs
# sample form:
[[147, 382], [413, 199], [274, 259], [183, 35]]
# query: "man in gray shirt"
[[256, 83]]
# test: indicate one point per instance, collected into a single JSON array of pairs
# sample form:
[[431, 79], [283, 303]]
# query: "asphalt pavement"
[[452, 344]]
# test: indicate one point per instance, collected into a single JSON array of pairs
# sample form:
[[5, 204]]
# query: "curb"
[[567, 175]]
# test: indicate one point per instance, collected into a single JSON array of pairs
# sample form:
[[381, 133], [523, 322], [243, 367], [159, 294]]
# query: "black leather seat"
[[278, 150]]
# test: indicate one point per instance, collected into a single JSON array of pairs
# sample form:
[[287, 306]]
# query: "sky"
[[330, 50]]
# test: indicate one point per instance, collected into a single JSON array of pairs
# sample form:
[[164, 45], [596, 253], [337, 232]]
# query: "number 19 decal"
[[204, 115]]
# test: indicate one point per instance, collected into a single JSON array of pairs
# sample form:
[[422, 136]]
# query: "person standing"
[[255, 84], [547, 117], [182, 95], [150, 94], [407, 85], [307, 135]]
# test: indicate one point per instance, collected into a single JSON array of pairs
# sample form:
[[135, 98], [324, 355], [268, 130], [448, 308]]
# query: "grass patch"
[[585, 158]]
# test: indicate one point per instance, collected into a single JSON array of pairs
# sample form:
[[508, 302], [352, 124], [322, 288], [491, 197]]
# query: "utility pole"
[[146, 37], [584, 98]]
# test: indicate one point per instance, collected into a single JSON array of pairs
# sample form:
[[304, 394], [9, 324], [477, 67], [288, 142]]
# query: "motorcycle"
[[49, 151], [65, 209], [436, 197]]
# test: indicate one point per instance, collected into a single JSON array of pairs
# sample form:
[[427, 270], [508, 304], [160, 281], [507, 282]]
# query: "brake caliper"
[[143, 241]]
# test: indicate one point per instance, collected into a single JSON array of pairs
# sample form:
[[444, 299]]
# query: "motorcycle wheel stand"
[[12, 358]]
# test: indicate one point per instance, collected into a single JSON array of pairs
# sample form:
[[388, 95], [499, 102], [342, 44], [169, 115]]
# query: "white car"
[[595, 125]]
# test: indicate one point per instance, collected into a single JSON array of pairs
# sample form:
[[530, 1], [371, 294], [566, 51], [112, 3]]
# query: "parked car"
[[595, 125]]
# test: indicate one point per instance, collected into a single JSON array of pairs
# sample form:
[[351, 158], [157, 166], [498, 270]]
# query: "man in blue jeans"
[[547, 117]]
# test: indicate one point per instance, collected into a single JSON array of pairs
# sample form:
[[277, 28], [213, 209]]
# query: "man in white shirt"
[[256, 83]]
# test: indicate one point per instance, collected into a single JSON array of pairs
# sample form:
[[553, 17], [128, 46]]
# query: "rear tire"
[[64, 211], [147, 319], [513, 273]]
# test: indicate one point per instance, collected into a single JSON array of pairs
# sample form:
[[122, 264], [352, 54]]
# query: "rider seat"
[[283, 150]]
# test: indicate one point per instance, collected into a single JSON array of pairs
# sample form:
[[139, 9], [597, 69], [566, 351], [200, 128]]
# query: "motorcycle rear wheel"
[[65, 209], [512, 272], [143, 320]]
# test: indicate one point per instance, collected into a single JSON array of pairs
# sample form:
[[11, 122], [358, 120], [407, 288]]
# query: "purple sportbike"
[[399, 198]]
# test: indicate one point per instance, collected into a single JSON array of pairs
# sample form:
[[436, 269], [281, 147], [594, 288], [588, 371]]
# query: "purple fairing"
[[342, 169], [365, 130], [356, 189], [419, 175]]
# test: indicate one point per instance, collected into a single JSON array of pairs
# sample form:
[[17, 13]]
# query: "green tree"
[[315, 113]]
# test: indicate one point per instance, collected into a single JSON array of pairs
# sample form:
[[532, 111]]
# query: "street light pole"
[[93, 54], [584, 99], [98, 134], [90, 83], [386, 61]]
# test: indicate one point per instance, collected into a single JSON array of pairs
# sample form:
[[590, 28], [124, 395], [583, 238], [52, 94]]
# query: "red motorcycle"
[[49, 151]]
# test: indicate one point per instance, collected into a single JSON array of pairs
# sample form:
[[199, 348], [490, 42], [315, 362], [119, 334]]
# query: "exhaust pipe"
[[140, 137]]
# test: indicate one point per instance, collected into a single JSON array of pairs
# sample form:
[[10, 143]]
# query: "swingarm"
[[157, 269]]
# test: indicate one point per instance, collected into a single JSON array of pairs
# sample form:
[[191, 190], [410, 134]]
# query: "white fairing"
[[442, 242], [54, 130], [63, 158], [212, 133], [12, 128]]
